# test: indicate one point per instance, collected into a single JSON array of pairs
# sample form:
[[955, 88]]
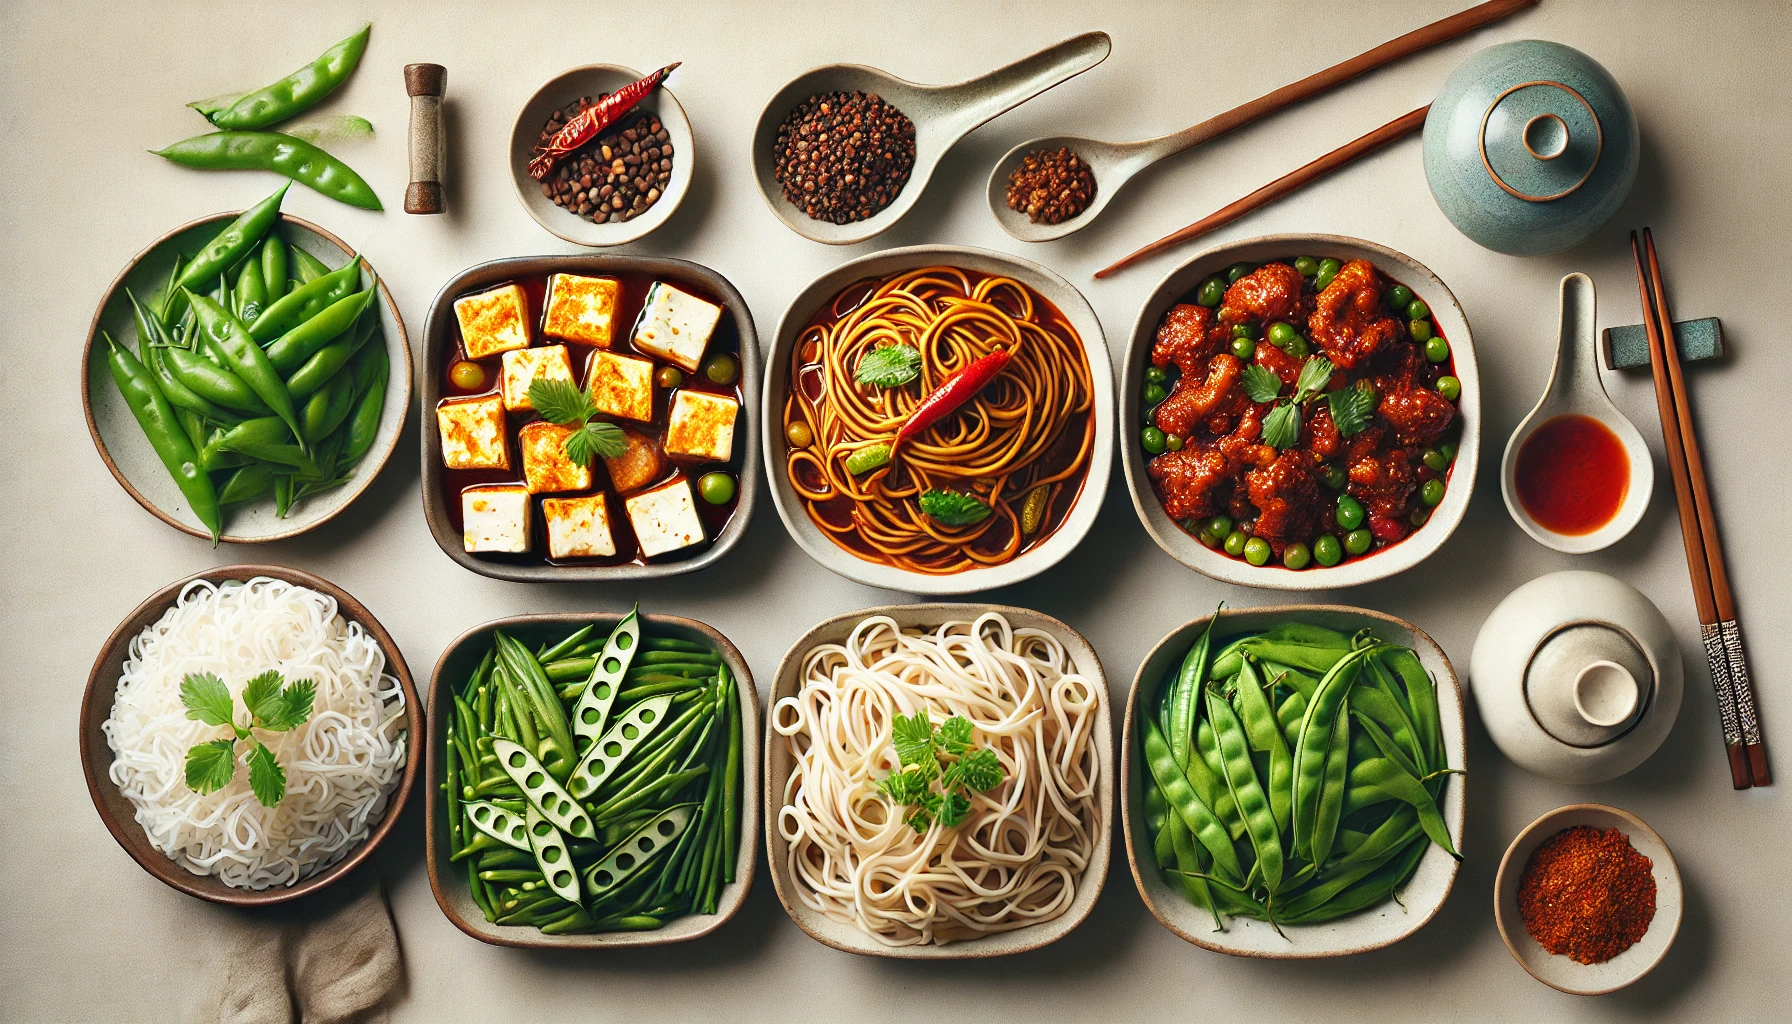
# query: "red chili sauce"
[[1572, 475]]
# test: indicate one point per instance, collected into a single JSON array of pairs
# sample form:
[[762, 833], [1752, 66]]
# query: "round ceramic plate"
[[1029, 563], [127, 453], [1563, 973], [567, 87], [1419, 545]]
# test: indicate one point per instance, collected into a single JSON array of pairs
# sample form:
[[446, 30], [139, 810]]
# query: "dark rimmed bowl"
[[439, 346], [778, 765], [127, 453], [116, 811], [448, 881], [1361, 932]]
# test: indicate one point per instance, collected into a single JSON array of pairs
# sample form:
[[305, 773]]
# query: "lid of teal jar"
[[1540, 141]]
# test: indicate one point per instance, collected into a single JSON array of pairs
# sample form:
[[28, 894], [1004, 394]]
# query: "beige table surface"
[[85, 89]]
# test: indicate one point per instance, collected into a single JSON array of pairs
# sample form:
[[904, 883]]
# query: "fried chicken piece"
[[1418, 415], [1193, 482], [1271, 292], [1321, 434], [1242, 446], [1278, 362], [1384, 481], [1348, 322], [1287, 496], [1194, 399], [1184, 339]]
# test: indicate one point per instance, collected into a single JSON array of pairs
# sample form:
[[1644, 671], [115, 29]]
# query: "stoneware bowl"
[[883, 264], [1371, 929], [127, 452], [942, 115], [778, 764], [1423, 541], [449, 880], [1530, 147], [1574, 389], [1577, 677], [1564, 973], [594, 80], [441, 341], [117, 812]]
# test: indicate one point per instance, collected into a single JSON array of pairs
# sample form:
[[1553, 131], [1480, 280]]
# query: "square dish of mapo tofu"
[[598, 404]]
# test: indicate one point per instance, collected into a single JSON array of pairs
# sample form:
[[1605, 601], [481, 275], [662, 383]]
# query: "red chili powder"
[[1587, 894]]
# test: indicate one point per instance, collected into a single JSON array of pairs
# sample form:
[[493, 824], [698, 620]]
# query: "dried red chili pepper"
[[956, 391], [594, 119], [1586, 893]]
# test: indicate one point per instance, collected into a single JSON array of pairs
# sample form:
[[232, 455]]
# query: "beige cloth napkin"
[[328, 959]]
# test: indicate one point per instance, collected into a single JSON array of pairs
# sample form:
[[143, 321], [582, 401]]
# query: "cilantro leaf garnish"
[[595, 441], [921, 749], [273, 705], [889, 366], [1351, 408], [1281, 428], [266, 777], [1261, 384], [206, 698], [954, 508], [564, 403], [210, 766]]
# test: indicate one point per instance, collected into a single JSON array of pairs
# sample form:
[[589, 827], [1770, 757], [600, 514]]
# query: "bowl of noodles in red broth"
[[939, 419], [1300, 412]]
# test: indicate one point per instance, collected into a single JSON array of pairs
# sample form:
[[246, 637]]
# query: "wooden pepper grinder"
[[425, 84]]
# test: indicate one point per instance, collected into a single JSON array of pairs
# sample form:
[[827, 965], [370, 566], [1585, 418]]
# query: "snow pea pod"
[[1314, 743], [1191, 868], [1386, 842], [1396, 782], [282, 154], [308, 299], [245, 357], [273, 266], [325, 363], [1371, 890], [153, 344], [267, 438], [295, 93], [1247, 792], [290, 350], [170, 441], [249, 295], [230, 244], [371, 372], [1426, 722]]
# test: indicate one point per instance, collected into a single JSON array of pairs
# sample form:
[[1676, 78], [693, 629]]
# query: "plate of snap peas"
[[1293, 781], [246, 377], [586, 775]]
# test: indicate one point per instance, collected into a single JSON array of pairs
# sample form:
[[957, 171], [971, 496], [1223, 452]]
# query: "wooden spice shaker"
[[425, 83]]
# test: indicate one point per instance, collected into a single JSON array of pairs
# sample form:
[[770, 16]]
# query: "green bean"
[[566, 643], [707, 659], [478, 844], [1331, 793], [1313, 744], [505, 857], [731, 772], [237, 238], [1199, 817], [511, 875], [522, 667], [1247, 792]]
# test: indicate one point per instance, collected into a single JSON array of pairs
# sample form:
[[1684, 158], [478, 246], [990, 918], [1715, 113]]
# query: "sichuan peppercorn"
[[1051, 186], [843, 156]]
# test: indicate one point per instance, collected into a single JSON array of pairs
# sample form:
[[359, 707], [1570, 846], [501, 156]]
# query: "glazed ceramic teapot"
[[1531, 147]]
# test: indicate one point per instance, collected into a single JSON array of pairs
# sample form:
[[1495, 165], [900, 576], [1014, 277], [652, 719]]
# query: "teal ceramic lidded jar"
[[1531, 147]]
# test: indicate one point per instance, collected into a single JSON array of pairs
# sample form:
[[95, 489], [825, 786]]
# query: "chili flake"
[[1586, 893]]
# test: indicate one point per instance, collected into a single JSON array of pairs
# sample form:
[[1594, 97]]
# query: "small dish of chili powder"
[[1588, 899]]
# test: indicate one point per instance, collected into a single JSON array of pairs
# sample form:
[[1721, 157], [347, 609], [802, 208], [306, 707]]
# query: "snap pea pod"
[[295, 93], [1394, 780], [230, 244], [1199, 818], [249, 295], [290, 350], [211, 382], [1371, 890], [1331, 793], [308, 299], [245, 357], [1388, 839], [151, 341], [273, 266], [170, 441], [265, 438], [1185, 698], [1266, 737], [327, 407], [371, 372], [255, 480], [1191, 868], [306, 267], [283, 495], [1204, 764], [330, 359], [1247, 792], [282, 154], [1313, 745], [1426, 722]]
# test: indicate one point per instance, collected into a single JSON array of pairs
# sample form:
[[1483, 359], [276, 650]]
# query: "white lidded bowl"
[[1446, 312], [1029, 563]]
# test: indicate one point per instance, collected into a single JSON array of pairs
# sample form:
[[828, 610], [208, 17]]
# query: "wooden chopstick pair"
[[1721, 633]]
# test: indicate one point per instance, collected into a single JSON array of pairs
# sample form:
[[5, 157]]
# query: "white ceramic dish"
[[1371, 929], [127, 453], [593, 80], [1574, 388], [778, 763], [823, 549], [1419, 545], [942, 115], [1561, 972]]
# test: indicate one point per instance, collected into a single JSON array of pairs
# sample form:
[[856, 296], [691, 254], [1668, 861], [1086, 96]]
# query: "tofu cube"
[[473, 432], [639, 465], [701, 426], [494, 321], [621, 385], [525, 366], [579, 527], [582, 309], [676, 326], [665, 518], [546, 468], [495, 517]]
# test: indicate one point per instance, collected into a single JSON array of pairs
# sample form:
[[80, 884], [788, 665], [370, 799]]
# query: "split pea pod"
[[170, 441], [282, 154], [1247, 792], [233, 242], [295, 93], [245, 357], [290, 350]]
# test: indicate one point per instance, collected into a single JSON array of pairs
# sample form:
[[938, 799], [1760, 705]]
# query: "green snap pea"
[[1388, 839], [1266, 736], [306, 267], [1397, 783], [170, 441], [1190, 867], [1196, 815], [1371, 890], [308, 299], [231, 244], [1314, 744], [249, 295], [273, 266], [152, 343], [282, 154], [295, 93], [1331, 793], [245, 358], [327, 407], [1204, 763], [371, 372], [328, 360], [290, 350], [1185, 696], [256, 480], [1247, 792]]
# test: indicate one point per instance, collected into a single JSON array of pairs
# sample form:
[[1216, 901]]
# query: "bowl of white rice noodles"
[[348, 766], [1026, 863]]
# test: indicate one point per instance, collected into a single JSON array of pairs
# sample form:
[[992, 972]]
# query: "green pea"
[[1306, 265], [1350, 512], [1328, 269], [722, 369], [1155, 393], [1244, 349], [1449, 387], [1436, 349], [1327, 551], [1417, 310], [1420, 330], [1280, 334], [1434, 460], [1235, 542], [1448, 451], [1256, 551], [1193, 526], [1296, 556], [1431, 492], [1244, 331], [1212, 291], [1419, 516], [1357, 541], [1154, 375], [1399, 297], [1219, 527], [1172, 442], [1333, 476], [1237, 270], [716, 488], [1297, 347], [1152, 440]]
